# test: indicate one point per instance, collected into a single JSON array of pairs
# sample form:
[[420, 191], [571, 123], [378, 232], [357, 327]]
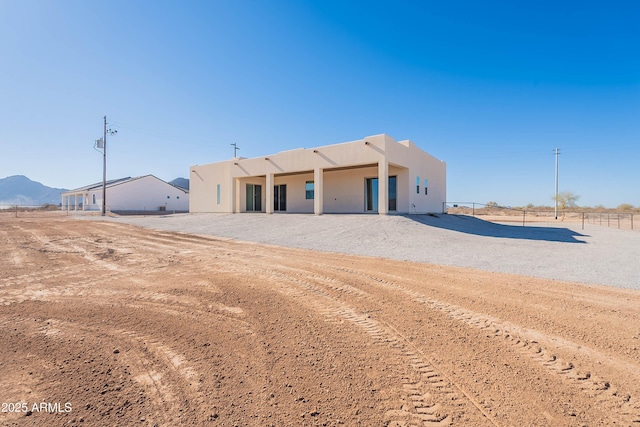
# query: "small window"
[[309, 190], [218, 191], [417, 184], [426, 183]]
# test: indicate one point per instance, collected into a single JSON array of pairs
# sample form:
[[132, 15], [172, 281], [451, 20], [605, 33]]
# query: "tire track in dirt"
[[401, 346], [526, 342], [430, 398], [40, 275], [375, 331], [102, 263], [159, 275], [164, 374], [169, 240], [170, 383], [425, 387], [43, 291], [420, 404]]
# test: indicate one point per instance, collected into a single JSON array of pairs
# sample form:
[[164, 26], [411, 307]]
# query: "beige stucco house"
[[375, 174]]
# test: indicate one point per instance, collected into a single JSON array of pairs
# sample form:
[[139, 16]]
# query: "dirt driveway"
[[109, 324]]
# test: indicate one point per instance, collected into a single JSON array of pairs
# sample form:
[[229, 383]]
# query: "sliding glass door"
[[371, 194], [393, 194], [280, 197], [254, 198]]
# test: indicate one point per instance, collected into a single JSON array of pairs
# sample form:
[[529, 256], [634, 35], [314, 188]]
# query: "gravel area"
[[562, 251]]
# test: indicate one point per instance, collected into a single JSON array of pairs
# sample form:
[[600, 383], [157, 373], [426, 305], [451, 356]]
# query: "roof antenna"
[[235, 149]]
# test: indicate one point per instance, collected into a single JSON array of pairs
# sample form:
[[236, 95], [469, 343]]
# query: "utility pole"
[[104, 169], [557, 152], [235, 149], [102, 143]]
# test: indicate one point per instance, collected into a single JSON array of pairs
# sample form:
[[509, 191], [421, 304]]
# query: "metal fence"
[[27, 210], [622, 221], [16, 210], [540, 216]]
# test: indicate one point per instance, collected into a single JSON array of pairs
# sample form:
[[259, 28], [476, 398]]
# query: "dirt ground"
[[106, 324]]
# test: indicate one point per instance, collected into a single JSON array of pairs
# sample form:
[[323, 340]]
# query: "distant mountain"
[[20, 190], [181, 182]]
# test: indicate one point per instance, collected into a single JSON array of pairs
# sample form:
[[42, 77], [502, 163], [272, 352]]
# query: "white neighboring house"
[[143, 193], [375, 174]]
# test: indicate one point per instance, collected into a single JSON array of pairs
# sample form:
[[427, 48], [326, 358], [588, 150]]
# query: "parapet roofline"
[[406, 143]]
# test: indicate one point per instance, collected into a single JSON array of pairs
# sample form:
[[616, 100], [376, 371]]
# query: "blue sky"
[[490, 87]]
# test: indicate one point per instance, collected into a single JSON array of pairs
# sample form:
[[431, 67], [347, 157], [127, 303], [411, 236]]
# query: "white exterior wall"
[[343, 189], [144, 193], [97, 206]]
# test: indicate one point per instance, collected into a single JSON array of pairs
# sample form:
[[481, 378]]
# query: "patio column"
[[234, 195], [318, 191], [383, 187], [268, 208]]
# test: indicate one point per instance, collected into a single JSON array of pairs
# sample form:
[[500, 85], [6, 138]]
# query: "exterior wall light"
[[366, 143], [315, 151]]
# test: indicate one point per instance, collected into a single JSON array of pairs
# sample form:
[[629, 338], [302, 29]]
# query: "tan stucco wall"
[[296, 201], [423, 165], [343, 189], [203, 183]]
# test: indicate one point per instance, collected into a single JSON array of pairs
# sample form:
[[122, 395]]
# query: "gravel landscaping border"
[[561, 251]]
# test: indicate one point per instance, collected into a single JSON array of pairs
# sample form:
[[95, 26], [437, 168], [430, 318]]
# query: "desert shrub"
[[625, 207]]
